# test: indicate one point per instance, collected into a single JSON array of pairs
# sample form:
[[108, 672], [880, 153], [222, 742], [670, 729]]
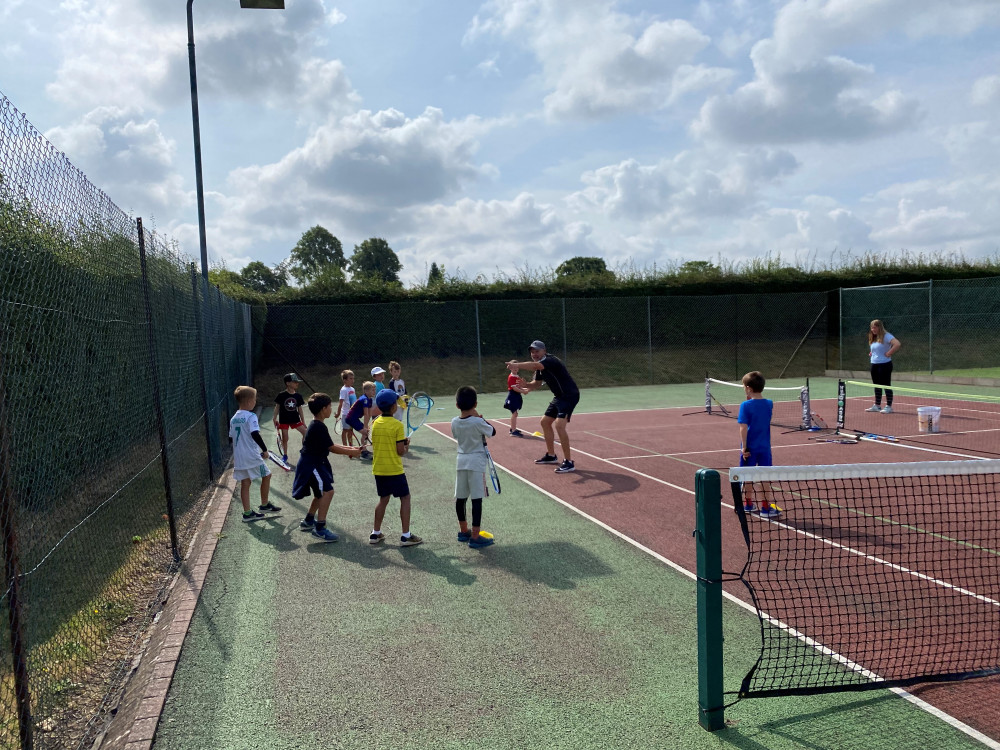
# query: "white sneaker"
[[874, 407], [887, 410]]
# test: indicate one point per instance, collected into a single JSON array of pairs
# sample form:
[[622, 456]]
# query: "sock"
[[310, 518], [248, 513], [376, 532], [406, 535], [320, 525]]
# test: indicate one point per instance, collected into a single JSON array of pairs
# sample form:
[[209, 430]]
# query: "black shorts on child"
[[514, 401], [312, 476], [395, 485]]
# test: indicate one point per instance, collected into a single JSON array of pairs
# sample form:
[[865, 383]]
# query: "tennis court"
[[635, 473]]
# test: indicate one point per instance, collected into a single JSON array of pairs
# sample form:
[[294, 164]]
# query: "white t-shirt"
[[246, 453], [348, 396], [878, 350], [469, 432]]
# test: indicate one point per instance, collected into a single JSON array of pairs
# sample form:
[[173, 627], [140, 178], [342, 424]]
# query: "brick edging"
[[138, 713]]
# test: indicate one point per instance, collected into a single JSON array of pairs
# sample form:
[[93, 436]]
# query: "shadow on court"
[[604, 483], [558, 565]]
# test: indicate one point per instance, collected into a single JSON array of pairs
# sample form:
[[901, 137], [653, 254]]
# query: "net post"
[[708, 543]]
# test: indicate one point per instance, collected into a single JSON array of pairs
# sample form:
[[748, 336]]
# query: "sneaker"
[[366, 455], [887, 410], [376, 538], [770, 513], [565, 467], [253, 516], [515, 433], [269, 508], [548, 458], [325, 534], [284, 457], [464, 536], [748, 508], [411, 541], [874, 407], [479, 542], [307, 524]]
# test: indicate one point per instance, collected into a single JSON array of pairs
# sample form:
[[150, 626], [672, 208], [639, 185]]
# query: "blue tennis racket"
[[494, 476], [417, 411]]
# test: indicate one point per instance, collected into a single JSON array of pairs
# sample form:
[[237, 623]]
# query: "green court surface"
[[562, 635]]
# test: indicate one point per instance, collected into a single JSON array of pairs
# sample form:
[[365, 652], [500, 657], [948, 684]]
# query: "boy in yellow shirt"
[[389, 445]]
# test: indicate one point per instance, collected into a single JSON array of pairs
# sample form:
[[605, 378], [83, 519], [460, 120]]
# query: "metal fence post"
[[930, 324], [161, 426], [649, 331], [246, 344], [479, 347], [840, 337], [199, 327], [565, 345]]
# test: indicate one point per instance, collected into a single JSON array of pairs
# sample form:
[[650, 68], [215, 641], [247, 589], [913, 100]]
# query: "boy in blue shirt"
[[755, 436]]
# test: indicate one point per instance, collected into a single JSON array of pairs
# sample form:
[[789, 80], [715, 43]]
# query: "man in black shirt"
[[565, 396]]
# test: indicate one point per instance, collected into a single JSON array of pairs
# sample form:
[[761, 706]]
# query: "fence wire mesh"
[[87, 494], [604, 341]]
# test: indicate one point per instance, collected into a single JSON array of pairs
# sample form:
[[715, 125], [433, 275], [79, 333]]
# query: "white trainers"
[[887, 410], [874, 407]]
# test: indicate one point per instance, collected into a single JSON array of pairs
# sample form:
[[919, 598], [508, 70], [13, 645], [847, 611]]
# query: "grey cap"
[[536, 344], [292, 378]]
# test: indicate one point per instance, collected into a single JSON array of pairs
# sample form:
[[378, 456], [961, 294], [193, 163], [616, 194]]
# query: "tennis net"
[[791, 404], [966, 421], [875, 575]]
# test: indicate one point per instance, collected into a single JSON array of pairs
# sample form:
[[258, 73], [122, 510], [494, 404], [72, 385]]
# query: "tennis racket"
[[491, 470], [880, 438], [278, 460], [338, 424], [818, 421], [417, 411], [722, 408], [840, 440], [277, 440]]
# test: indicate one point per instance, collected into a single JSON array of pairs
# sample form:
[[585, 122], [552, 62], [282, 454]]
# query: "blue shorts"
[[354, 424], [759, 458], [395, 485], [312, 476], [562, 407], [514, 402]]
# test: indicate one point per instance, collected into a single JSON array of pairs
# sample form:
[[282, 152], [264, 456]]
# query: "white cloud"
[[598, 62], [986, 91], [488, 67]]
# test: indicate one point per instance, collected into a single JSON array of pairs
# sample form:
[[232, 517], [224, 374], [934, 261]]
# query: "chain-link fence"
[[605, 341], [943, 325], [117, 365]]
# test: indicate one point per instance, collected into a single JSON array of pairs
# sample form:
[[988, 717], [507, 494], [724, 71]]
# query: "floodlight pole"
[[199, 185]]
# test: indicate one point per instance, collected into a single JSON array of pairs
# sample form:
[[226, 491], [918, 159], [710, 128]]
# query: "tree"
[[374, 259], [316, 249], [260, 278], [581, 266], [702, 268], [436, 276]]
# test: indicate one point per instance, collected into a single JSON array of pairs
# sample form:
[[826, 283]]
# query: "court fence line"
[[113, 350]]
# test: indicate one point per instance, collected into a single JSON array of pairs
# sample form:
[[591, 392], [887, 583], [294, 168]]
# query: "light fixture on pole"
[[199, 185]]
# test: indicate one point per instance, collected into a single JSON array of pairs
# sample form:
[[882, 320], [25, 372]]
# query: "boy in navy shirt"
[[755, 436]]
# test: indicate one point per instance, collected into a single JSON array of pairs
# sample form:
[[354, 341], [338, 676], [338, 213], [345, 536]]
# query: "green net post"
[[708, 540]]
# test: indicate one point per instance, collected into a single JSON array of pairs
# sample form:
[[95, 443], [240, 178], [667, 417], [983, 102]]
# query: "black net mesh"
[[84, 506]]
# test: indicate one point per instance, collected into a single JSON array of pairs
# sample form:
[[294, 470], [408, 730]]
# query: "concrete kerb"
[[138, 712]]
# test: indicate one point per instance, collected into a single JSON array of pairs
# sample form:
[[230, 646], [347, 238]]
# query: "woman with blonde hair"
[[882, 345]]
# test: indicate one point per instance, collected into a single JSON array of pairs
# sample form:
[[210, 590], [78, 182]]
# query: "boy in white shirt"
[[249, 452], [347, 398], [470, 430]]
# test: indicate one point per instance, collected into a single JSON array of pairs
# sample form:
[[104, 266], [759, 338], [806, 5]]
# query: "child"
[[360, 415], [288, 412], [470, 430], [313, 472], [378, 374], [755, 436], [347, 399], [396, 384], [248, 459], [514, 401], [389, 445]]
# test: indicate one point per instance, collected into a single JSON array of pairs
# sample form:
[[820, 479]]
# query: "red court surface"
[[635, 472]]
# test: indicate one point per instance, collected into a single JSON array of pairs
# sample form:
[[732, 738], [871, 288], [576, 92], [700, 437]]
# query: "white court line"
[[919, 702]]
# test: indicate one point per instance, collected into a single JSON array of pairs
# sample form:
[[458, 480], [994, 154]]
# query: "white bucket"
[[928, 418]]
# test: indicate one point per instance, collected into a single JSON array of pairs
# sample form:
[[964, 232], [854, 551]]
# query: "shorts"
[[561, 407], [257, 472], [286, 427], [470, 484], [353, 424], [514, 402], [760, 458], [311, 477], [394, 485]]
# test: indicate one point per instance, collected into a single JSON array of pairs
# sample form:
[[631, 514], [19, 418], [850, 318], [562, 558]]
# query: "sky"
[[493, 137]]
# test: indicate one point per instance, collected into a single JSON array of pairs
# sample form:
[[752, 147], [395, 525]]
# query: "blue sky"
[[487, 137]]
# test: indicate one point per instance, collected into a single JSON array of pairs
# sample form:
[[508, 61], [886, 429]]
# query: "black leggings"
[[882, 375], [477, 510]]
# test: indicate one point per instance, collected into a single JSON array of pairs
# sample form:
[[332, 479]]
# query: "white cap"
[[377, 371]]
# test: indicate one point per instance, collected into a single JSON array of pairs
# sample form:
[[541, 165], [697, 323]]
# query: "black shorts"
[[395, 485], [514, 401], [562, 407], [313, 477]]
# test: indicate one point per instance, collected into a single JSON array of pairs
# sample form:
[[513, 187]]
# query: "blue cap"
[[385, 399]]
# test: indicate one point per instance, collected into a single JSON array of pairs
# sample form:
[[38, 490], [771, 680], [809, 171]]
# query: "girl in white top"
[[881, 345]]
